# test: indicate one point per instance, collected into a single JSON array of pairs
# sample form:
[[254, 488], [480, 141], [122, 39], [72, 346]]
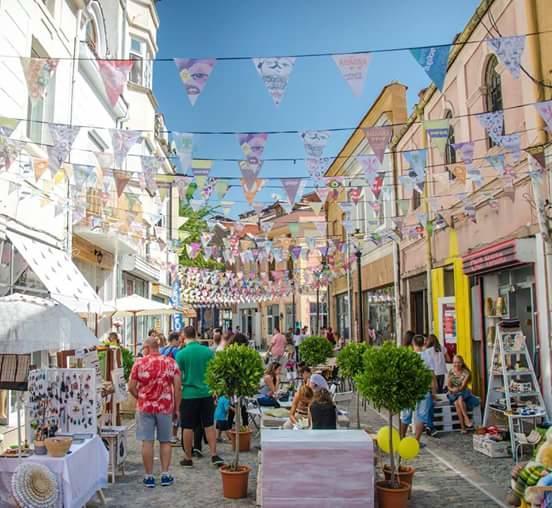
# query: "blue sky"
[[317, 97]]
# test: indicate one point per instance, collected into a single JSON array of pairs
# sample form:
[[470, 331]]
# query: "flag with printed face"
[[39, 167], [114, 74], [38, 72], [354, 69], [253, 145], [63, 137], [123, 141], [275, 73], [434, 62], [9, 152], [182, 183], [509, 51], [194, 73], [438, 132], [378, 138], [377, 186], [315, 142], [355, 194], [466, 151]]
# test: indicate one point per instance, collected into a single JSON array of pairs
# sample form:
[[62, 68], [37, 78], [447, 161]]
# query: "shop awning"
[[58, 273], [188, 311], [500, 256]]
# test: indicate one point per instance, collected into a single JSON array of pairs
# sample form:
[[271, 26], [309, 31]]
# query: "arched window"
[[493, 83], [450, 152]]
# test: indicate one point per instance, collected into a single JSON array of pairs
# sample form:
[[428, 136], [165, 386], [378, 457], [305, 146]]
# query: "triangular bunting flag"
[[434, 62], [150, 167], [81, 174], [316, 206], [123, 141], [315, 142], [115, 76], [275, 73], [200, 170], [438, 131], [417, 160], [378, 138], [38, 72], [63, 137], [196, 204], [322, 193], [355, 194], [509, 51], [183, 143], [545, 111], [9, 151], [493, 123], [121, 180], [194, 73], [182, 183], [377, 186], [221, 188], [497, 163], [253, 145], [354, 69], [512, 144], [292, 187], [370, 165], [7, 126], [39, 168], [466, 151]]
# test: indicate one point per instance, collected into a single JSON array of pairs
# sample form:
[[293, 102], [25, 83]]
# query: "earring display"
[[62, 401]]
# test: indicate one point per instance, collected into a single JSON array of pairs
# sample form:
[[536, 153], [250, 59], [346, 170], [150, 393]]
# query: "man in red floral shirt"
[[155, 383]]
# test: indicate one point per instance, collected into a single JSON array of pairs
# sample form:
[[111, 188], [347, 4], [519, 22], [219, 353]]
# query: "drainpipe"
[[429, 258], [396, 254]]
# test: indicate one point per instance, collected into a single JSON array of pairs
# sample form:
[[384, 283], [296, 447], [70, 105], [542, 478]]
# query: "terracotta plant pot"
[[234, 483], [406, 475], [392, 498], [245, 440]]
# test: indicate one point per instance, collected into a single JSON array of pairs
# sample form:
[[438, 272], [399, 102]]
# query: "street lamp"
[[358, 255]]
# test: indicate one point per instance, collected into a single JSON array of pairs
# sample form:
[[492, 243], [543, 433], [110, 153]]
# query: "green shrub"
[[393, 378], [315, 350], [236, 371]]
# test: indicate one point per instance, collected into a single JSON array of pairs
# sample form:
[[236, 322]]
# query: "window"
[[493, 82], [289, 316], [316, 326], [450, 152], [272, 318], [416, 200], [141, 70]]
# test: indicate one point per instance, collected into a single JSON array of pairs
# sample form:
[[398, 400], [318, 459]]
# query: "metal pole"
[[293, 304], [349, 289], [360, 317], [318, 308]]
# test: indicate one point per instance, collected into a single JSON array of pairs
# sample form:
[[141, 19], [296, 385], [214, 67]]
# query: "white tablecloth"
[[80, 473]]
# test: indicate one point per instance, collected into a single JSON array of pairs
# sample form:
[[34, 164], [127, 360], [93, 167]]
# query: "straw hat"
[[34, 486]]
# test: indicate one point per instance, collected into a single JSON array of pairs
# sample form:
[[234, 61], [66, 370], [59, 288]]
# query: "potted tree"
[[350, 361], [393, 378], [315, 350], [235, 372]]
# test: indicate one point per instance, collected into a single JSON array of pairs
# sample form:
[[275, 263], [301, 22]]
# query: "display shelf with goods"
[[513, 390]]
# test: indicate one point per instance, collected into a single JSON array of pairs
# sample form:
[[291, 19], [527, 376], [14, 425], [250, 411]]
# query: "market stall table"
[[81, 473]]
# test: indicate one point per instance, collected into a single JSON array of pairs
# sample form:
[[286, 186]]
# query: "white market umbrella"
[[135, 306], [29, 324]]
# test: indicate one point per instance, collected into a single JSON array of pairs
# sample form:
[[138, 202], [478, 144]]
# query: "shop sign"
[[178, 322], [499, 255]]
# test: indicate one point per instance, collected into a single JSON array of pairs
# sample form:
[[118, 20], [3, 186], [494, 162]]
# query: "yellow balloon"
[[383, 439], [409, 448]]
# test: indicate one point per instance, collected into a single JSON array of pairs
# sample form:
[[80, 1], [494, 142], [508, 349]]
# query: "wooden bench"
[[445, 418]]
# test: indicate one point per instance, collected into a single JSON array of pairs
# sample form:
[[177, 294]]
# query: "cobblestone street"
[[448, 473]]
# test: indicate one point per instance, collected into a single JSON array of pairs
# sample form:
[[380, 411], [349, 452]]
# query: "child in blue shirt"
[[222, 417]]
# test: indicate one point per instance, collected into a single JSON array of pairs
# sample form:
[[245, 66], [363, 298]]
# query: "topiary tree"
[[393, 378], [350, 361], [315, 350], [235, 371]]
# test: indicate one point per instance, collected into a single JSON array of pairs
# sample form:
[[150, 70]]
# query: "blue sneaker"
[[166, 480], [149, 482]]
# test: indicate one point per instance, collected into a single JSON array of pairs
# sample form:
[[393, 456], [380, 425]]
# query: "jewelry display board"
[[64, 398]]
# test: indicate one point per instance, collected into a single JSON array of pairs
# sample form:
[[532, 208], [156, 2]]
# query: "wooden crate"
[[494, 449]]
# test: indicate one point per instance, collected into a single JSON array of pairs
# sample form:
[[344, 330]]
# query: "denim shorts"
[[469, 398], [423, 411], [148, 423]]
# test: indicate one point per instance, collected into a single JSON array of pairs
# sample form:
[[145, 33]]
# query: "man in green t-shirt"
[[197, 407]]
